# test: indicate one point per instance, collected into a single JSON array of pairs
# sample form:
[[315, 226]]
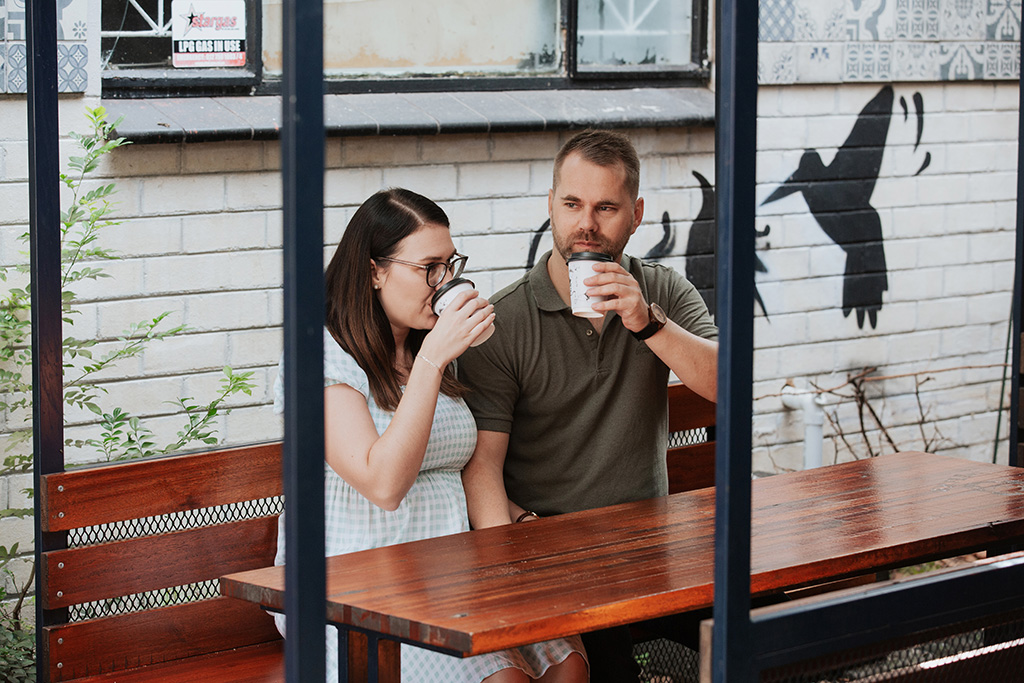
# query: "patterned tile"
[[72, 61], [17, 68], [3, 23], [820, 20], [915, 61], [776, 63], [1002, 60], [867, 62], [1003, 20], [775, 21], [869, 20], [15, 24], [962, 20], [3, 66], [72, 19], [917, 19], [819, 62], [961, 61]]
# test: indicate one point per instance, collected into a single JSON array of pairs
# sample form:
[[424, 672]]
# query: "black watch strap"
[[652, 327]]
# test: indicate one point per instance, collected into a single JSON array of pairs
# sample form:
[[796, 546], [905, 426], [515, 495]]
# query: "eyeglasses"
[[436, 271]]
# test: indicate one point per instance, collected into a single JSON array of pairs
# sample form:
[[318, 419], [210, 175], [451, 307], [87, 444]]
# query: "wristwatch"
[[657, 321]]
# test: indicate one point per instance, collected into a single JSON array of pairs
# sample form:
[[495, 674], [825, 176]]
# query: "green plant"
[[123, 435], [17, 643], [87, 214]]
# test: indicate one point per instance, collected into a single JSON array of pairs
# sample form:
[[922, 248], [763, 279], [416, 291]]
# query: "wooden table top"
[[496, 588]]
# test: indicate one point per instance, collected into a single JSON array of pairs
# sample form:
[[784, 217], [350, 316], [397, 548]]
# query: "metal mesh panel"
[[687, 438], [665, 661], [177, 521], [162, 524], [139, 602], [935, 657]]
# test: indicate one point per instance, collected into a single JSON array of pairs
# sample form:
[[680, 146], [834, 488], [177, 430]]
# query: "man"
[[572, 412]]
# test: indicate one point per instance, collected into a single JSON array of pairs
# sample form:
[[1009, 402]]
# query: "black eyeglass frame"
[[456, 265]]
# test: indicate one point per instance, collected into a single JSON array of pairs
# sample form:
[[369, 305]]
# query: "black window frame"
[[167, 82], [252, 80]]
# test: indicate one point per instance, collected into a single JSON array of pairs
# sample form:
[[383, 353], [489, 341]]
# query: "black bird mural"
[[667, 243], [839, 198], [700, 249]]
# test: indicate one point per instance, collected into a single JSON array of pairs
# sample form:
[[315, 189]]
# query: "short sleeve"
[[493, 389], [339, 368], [680, 299]]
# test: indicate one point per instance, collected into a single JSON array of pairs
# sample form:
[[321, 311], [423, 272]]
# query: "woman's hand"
[[457, 327]]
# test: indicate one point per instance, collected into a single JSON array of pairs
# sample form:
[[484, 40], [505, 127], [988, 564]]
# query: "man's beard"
[[605, 246]]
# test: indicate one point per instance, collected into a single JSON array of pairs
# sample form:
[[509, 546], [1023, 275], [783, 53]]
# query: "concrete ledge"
[[208, 119]]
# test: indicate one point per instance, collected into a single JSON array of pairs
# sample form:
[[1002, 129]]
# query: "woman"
[[397, 432]]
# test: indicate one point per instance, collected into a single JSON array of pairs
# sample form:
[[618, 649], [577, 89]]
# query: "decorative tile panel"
[[962, 62], [775, 21], [17, 68], [72, 51], [917, 19], [14, 28], [820, 62], [915, 61], [881, 40], [776, 63], [72, 60], [868, 62], [963, 20]]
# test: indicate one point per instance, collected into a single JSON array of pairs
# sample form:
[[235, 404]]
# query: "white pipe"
[[812, 405]]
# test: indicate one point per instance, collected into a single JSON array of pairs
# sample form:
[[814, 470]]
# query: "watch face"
[[658, 314]]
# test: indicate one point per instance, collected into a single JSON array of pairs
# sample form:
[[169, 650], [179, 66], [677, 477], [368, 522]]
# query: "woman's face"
[[402, 289]]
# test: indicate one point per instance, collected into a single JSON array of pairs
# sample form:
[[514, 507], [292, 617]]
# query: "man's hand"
[[623, 292]]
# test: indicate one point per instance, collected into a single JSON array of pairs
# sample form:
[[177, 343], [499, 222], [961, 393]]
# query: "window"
[[630, 34], [374, 45]]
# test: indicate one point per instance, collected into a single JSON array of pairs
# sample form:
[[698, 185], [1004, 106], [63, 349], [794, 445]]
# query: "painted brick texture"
[[201, 239]]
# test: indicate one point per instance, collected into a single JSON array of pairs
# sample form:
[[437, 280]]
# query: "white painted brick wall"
[[949, 242], [202, 237]]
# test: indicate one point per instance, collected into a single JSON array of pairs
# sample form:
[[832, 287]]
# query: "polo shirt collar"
[[544, 289]]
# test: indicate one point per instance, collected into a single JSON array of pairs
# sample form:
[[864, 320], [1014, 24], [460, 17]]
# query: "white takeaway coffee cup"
[[447, 293], [581, 266]]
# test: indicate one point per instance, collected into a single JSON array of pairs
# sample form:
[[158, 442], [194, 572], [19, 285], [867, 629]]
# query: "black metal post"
[[1016, 457], [302, 167], [735, 150], [44, 229]]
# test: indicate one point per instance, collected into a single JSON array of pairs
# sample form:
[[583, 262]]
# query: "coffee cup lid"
[[454, 282], [588, 256]]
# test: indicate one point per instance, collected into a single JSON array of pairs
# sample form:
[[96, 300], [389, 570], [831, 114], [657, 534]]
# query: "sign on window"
[[208, 33]]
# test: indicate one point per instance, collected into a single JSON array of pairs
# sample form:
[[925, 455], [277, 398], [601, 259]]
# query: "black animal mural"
[[700, 248], [839, 198]]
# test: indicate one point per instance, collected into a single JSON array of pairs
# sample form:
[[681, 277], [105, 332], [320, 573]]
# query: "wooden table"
[[506, 586]]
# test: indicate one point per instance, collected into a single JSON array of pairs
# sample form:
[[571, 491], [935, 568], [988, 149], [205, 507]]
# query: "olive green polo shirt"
[[586, 413]]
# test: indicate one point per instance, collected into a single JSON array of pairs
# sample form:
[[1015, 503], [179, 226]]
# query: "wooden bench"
[[153, 527], [158, 527], [692, 464]]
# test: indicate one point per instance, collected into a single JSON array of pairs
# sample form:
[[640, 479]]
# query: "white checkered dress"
[[434, 506]]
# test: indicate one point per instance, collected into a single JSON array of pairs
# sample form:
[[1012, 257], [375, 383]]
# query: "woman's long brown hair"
[[354, 316]]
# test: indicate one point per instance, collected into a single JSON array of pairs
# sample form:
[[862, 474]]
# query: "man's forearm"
[[693, 359]]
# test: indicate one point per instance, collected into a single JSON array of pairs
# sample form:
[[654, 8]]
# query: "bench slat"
[[99, 646], [137, 565], [256, 664], [687, 410], [691, 467], [144, 488]]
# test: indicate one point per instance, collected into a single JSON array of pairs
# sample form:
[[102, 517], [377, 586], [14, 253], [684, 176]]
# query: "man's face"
[[591, 209]]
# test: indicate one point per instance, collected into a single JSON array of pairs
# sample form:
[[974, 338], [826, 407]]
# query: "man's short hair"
[[604, 148]]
